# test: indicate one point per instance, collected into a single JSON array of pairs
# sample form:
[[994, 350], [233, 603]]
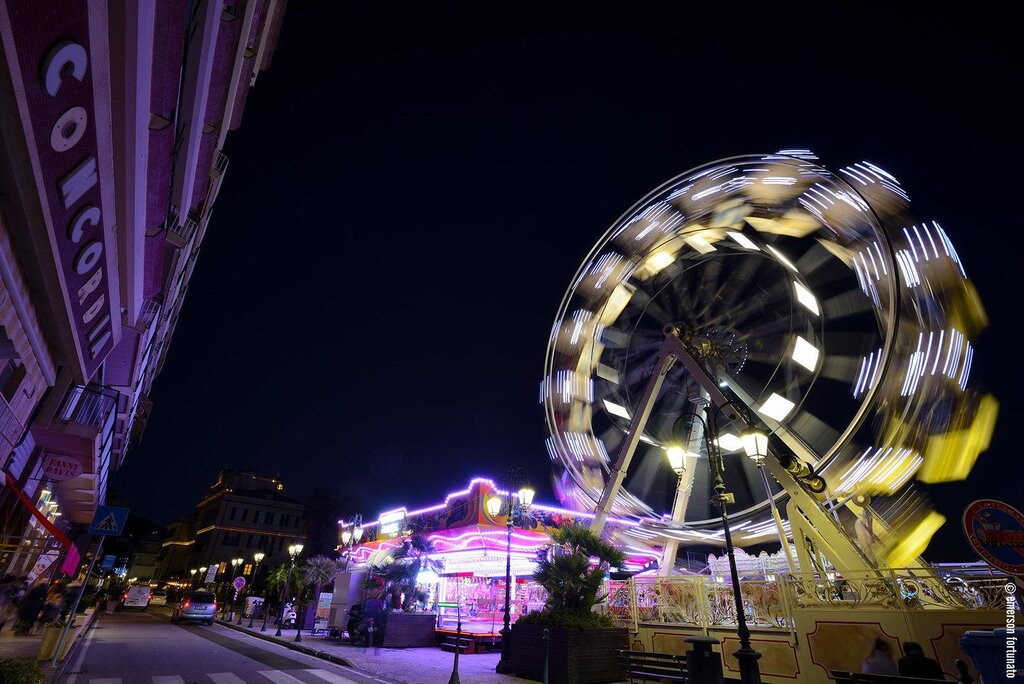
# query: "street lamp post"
[[350, 539], [754, 442], [293, 551], [192, 581], [234, 570], [258, 557], [238, 592], [524, 498], [202, 575]]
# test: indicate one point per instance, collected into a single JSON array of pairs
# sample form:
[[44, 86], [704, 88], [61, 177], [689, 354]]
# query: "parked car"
[[159, 598], [137, 596], [196, 606]]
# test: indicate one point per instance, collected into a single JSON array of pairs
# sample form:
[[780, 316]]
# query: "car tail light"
[[214, 603], [186, 604]]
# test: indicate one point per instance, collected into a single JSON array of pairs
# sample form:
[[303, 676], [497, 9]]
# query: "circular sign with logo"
[[239, 582], [996, 532], [58, 468]]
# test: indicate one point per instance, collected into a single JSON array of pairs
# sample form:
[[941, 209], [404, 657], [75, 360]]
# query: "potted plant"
[[20, 671], [583, 645], [394, 583]]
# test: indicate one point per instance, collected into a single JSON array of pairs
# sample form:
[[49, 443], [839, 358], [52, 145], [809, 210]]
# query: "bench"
[[862, 678], [655, 666]]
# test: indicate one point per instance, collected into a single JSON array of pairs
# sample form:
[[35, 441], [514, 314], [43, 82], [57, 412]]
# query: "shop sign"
[[996, 532], [53, 48], [392, 523], [57, 467]]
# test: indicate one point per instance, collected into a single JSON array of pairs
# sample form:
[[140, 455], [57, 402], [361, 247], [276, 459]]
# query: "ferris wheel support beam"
[[666, 358]]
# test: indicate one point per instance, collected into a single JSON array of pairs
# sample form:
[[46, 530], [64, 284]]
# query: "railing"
[[707, 601], [149, 311], [91, 406]]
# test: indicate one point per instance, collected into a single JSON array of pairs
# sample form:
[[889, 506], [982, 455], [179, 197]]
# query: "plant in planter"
[[20, 671], [583, 644], [393, 584], [395, 578]]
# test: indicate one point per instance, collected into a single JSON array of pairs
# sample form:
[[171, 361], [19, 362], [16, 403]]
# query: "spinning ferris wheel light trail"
[[812, 298]]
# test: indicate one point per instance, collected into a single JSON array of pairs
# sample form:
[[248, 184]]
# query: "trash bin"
[[988, 651]]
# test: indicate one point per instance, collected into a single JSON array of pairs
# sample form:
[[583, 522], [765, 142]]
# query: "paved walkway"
[[405, 665]]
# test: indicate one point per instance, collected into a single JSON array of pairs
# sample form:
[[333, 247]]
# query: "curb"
[[323, 655]]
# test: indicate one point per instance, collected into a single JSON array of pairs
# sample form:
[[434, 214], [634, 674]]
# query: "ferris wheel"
[[810, 298]]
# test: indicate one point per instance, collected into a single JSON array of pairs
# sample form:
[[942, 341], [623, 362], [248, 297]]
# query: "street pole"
[[287, 594], [454, 679], [74, 606], [749, 670], [255, 572], [506, 630]]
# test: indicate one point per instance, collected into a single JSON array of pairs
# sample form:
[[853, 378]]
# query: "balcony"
[[180, 232], [89, 406], [220, 167], [149, 312]]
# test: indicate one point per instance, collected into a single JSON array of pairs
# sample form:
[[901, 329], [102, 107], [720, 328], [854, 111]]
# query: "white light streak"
[[742, 240], [782, 259], [806, 354], [805, 297], [776, 407], [615, 409]]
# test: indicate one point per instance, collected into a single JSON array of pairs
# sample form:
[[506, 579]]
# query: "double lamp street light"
[[755, 444], [293, 552], [517, 503]]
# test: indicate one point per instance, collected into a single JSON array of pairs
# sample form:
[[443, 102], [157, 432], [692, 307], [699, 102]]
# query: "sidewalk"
[[27, 646], [404, 665]]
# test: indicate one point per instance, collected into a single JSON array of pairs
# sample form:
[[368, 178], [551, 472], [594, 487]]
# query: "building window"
[[297, 520], [245, 514], [247, 570], [231, 538], [271, 518], [248, 542], [233, 512], [222, 568], [256, 516], [285, 519]]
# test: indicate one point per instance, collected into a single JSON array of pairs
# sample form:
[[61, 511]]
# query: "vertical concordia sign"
[[50, 48]]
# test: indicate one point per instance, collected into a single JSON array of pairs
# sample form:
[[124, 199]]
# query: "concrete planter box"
[[409, 630], [577, 656]]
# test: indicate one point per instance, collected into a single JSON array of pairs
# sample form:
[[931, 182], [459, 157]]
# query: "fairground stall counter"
[[471, 547]]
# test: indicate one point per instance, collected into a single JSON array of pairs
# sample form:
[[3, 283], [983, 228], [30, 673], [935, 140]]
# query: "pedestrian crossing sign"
[[109, 521]]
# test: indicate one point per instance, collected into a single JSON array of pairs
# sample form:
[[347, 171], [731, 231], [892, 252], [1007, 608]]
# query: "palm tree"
[[399, 571], [277, 581], [565, 571], [319, 571]]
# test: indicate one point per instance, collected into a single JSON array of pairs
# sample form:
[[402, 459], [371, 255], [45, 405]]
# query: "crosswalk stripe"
[[168, 679], [280, 677], [107, 680], [331, 677], [225, 678]]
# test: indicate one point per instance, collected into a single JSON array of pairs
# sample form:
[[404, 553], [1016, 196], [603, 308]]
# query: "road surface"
[[146, 648]]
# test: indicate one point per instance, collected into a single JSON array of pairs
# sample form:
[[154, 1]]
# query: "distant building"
[[113, 119], [242, 513], [145, 551]]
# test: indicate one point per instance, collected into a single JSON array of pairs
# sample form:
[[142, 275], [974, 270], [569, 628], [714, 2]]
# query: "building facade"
[[113, 120], [241, 514]]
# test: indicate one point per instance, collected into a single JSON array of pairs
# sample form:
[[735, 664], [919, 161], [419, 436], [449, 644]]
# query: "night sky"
[[412, 189]]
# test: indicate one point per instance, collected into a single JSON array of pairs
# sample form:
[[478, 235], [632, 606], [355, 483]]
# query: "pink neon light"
[[500, 492]]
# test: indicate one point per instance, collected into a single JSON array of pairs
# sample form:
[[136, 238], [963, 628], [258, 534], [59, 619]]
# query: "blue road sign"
[[109, 521], [108, 562]]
